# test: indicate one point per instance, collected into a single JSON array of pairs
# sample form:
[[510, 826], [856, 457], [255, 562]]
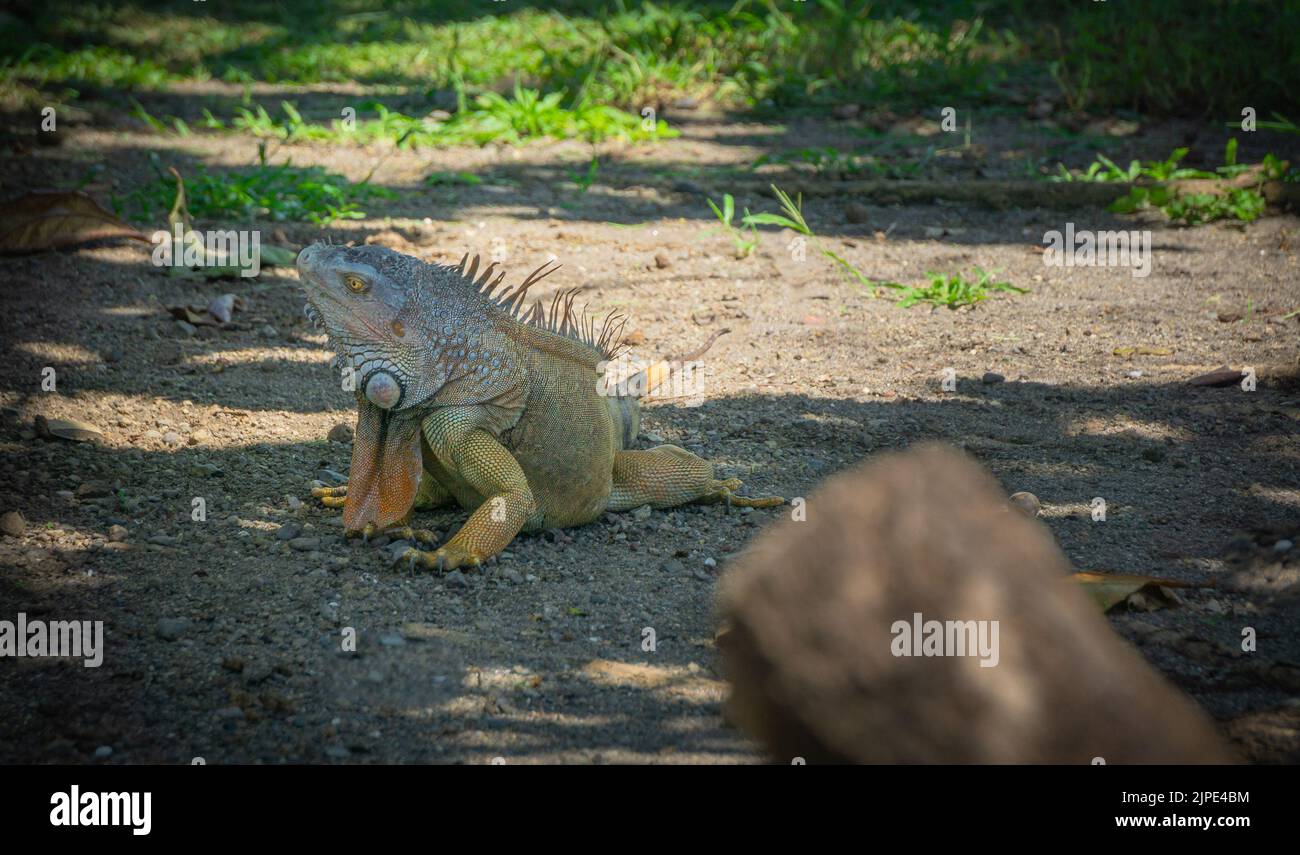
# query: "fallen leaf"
[[1108, 590], [1221, 376], [69, 429], [191, 314], [49, 219]]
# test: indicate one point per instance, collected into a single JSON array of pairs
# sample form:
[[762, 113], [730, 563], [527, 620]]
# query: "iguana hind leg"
[[667, 476]]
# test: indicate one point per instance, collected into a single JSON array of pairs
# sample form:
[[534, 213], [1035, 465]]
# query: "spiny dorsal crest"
[[559, 318]]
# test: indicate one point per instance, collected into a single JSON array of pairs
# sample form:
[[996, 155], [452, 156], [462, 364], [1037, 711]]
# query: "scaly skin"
[[461, 400]]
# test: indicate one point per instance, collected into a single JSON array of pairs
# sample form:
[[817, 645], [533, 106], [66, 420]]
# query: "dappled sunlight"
[[59, 353]]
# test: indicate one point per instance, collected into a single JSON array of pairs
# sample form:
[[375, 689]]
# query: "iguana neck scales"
[[465, 396]]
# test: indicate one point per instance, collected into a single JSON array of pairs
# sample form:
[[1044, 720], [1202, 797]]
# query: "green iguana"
[[464, 397]]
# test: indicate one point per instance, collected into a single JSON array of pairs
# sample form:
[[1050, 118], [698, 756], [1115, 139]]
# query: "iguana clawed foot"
[[725, 492], [445, 559], [331, 497]]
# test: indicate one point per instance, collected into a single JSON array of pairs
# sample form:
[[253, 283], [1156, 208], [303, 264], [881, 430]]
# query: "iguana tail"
[[625, 403], [654, 375]]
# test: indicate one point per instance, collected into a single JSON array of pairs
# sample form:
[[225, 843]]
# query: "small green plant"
[[1104, 169], [265, 191], [584, 180], [745, 245], [792, 218], [1241, 203], [953, 291]]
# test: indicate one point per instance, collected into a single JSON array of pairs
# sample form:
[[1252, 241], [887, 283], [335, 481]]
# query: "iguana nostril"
[[383, 390]]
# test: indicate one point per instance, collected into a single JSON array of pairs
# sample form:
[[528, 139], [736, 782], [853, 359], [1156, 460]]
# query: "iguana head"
[[364, 298]]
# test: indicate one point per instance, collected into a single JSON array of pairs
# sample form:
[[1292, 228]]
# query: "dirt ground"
[[223, 635]]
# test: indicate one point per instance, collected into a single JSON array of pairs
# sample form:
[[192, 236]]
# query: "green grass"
[[526, 115], [828, 162], [262, 192], [443, 179], [1195, 57]]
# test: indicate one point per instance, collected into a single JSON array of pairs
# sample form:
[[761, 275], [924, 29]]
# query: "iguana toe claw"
[[419, 535], [364, 533], [725, 492], [331, 497], [443, 560]]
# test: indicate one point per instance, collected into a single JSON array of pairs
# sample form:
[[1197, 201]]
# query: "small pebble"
[[12, 524], [117, 534], [991, 377], [330, 478], [341, 433], [288, 531], [170, 629], [1283, 546], [1026, 503], [103, 752]]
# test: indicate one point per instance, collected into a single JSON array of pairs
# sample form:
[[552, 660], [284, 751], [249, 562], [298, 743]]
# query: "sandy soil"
[[223, 635]]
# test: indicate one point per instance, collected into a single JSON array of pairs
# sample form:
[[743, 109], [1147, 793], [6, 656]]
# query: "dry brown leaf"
[[1222, 376], [193, 314], [49, 219], [69, 429], [1141, 350]]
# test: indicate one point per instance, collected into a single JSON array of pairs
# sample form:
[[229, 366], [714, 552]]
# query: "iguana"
[[466, 397]]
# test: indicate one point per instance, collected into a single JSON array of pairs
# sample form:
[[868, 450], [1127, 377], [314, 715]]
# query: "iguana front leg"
[[455, 437]]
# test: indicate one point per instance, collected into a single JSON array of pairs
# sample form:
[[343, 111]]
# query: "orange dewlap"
[[386, 468]]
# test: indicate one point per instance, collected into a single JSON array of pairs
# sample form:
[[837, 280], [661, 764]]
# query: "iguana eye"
[[355, 284]]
